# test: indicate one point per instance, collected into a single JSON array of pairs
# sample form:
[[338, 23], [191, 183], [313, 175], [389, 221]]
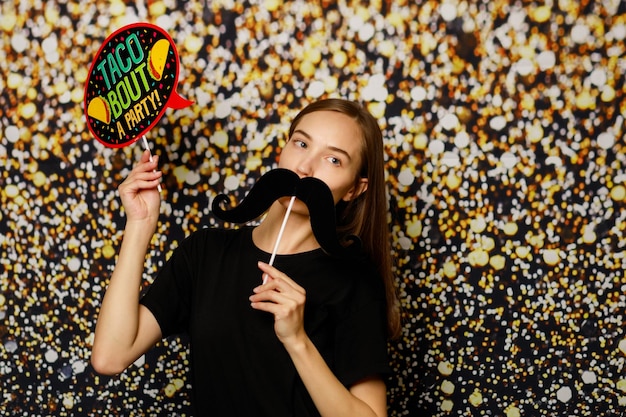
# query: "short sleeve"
[[361, 339], [168, 298]]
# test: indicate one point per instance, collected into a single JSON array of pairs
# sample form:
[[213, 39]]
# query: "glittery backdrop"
[[504, 132]]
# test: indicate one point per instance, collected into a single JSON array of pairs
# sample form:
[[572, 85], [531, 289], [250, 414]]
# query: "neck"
[[297, 236]]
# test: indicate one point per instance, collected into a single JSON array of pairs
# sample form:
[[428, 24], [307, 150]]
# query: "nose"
[[304, 168]]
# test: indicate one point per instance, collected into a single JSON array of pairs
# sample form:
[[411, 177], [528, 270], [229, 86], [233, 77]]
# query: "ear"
[[359, 188]]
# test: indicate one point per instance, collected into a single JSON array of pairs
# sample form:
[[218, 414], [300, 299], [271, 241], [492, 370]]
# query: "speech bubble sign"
[[131, 82]]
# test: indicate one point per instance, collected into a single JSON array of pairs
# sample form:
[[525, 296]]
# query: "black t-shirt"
[[239, 367]]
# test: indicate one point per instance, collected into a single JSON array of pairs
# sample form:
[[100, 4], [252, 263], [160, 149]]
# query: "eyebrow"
[[332, 148]]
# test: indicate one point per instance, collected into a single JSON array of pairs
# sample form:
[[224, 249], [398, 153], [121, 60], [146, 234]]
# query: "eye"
[[299, 143], [335, 161]]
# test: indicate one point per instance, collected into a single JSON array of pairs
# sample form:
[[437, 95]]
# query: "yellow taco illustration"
[[157, 58], [98, 108]]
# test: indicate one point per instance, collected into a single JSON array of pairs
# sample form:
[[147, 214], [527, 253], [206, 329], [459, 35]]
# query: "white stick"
[[280, 234], [145, 144]]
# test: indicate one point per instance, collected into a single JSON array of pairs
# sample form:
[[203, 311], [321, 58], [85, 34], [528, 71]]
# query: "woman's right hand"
[[139, 191]]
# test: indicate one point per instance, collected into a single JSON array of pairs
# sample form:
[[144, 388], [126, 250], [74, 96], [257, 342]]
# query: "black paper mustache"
[[311, 191]]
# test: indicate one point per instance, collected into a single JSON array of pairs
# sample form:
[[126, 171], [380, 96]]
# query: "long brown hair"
[[366, 215]]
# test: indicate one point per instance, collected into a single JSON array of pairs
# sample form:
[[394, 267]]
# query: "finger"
[[141, 180], [145, 156], [147, 164], [279, 303], [278, 276], [278, 284], [270, 293]]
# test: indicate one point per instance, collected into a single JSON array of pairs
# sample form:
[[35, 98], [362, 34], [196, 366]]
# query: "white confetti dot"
[[448, 11], [49, 44], [315, 90], [619, 32], [73, 264], [192, 177], [450, 159], [508, 159], [78, 367], [12, 133], [51, 356], [564, 394], [546, 60], [355, 23], [231, 182], [140, 361], [524, 67], [554, 160], [497, 123], [10, 346], [462, 139], [436, 147], [223, 109], [598, 77], [606, 140], [19, 43], [418, 94], [406, 177], [589, 377], [580, 33], [405, 242], [450, 121], [366, 32], [375, 90]]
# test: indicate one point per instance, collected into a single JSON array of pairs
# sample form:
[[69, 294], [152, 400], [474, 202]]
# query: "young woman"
[[308, 339]]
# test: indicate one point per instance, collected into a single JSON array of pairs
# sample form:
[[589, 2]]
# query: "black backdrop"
[[504, 133]]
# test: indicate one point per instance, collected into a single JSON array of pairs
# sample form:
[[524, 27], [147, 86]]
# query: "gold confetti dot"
[[552, 256], [193, 43], [540, 14], [11, 191], [478, 224], [445, 368], [476, 398], [585, 101], [414, 228], [28, 110], [478, 257], [618, 193], [220, 139], [157, 8], [108, 251], [447, 387], [170, 390], [513, 411], [447, 406], [340, 59], [510, 228], [498, 262], [307, 69], [450, 270]]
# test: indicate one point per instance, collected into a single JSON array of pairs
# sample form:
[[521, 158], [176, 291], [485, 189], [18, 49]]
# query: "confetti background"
[[504, 132]]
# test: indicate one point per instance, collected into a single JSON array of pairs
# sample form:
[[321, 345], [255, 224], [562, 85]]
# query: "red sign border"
[[90, 73]]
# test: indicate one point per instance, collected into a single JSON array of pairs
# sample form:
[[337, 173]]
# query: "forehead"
[[332, 127]]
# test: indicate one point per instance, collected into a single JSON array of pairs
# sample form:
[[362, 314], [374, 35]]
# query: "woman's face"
[[327, 145]]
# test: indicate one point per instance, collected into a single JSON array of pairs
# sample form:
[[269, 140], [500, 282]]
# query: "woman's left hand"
[[281, 296]]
